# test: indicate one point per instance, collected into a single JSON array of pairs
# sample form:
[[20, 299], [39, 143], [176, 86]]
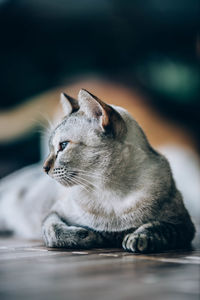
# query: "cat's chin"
[[65, 183]]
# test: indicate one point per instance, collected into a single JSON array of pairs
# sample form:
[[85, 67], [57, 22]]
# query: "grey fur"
[[120, 192]]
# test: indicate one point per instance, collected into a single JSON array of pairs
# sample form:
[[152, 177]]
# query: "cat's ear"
[[69, 104], [109, 119]]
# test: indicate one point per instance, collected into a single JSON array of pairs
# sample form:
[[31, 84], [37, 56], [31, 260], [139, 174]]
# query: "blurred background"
[[152, 46]]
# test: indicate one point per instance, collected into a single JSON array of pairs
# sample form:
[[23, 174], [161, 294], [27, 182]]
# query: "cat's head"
[[88, 141]]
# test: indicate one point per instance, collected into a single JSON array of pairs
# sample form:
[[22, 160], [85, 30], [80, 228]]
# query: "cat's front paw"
[[59, 235], [51, 234], [136, 242]]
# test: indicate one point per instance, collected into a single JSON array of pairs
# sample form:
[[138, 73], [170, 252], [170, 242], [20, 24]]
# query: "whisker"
[[83, 178], [73, 180], [84, 174], [87, 173], [89, 176], [89, 183]]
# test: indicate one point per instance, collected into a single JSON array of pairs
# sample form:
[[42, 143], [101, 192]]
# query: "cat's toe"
[[142, 243], [129, 242], [49, 236], [136, 242]]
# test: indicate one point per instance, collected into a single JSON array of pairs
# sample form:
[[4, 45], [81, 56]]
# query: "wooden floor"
[[30, 271]]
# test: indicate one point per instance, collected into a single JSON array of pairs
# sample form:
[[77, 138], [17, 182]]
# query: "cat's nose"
[[48, 163], [46, 168]]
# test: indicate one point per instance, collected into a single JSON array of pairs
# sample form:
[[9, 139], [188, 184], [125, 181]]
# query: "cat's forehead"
[[76, 127]]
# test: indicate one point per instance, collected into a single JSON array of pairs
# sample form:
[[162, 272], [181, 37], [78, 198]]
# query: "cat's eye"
[[63, 145]]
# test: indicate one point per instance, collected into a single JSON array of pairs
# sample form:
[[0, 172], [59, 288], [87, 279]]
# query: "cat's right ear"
[[109, 119], [69, 104]]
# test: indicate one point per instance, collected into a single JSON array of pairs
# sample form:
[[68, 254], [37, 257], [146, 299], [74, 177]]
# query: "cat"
[[114, 189], [171, 138]]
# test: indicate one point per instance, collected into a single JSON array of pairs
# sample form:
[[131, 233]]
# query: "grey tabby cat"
[[116, 190]]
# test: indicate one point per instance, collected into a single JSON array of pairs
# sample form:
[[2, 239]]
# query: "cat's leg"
[[158, 236], [56, 233]]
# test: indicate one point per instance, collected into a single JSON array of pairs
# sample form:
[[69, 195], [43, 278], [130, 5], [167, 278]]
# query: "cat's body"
[[117, 189]]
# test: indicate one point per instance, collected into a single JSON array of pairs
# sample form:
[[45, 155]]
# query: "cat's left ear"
[[69, 104], [109, 119]]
